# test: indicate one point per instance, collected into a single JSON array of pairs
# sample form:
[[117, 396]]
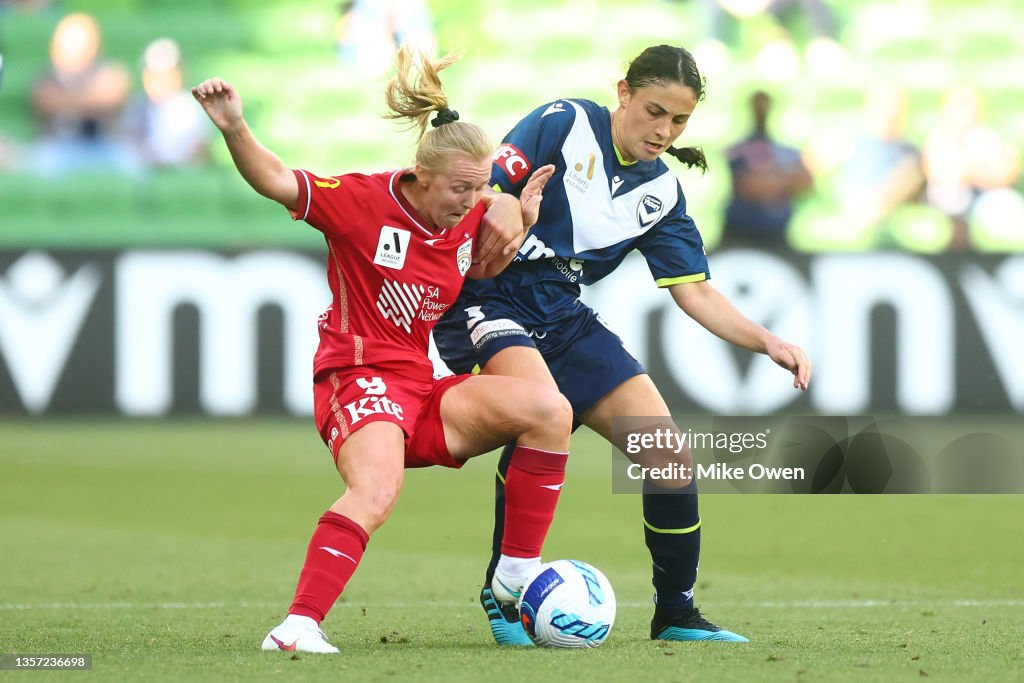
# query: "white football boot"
[[510, 577], [298, 634]]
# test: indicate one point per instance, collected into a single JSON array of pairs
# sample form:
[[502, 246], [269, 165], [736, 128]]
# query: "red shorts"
[[349, 399]]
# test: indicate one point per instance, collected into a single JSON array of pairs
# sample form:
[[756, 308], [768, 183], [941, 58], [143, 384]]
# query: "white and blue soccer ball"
[[568, 604]]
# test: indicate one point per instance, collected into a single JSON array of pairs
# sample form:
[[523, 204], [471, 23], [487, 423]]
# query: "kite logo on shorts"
[[392, 247], [649, 210], [374, 403], [513, 162], [372, 386]]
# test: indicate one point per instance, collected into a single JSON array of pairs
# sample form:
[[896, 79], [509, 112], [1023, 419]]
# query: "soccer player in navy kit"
[[610, 194], [399, 246]]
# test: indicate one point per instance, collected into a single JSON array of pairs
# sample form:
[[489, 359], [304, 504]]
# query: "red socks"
[[333, 555], [532, 485]]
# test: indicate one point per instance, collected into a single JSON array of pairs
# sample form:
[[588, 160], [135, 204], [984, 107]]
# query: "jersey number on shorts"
[[375, 402]]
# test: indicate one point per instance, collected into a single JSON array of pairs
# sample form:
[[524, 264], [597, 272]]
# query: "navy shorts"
[[586, 358]]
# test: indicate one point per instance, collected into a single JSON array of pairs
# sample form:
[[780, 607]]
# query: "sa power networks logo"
[[374, 402], [402, 303], [399, 302], [392, 247], [513, 162], [649, 210]]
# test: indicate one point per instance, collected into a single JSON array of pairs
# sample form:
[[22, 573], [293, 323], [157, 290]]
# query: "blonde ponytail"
[[415, 93]]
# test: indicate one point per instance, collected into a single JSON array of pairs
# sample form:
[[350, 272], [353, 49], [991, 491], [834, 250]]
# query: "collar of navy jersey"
[[618, 155]]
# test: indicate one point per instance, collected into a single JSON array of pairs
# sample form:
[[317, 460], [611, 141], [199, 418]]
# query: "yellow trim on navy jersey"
[[496, 187], [621, 160], [498, 472], [669, 281], [687, 530]]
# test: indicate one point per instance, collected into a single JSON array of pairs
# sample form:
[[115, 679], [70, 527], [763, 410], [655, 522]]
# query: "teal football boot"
[[688, 624], [504, 621]]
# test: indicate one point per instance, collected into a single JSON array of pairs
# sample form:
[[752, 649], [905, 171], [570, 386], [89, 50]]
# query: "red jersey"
[[391, 277]]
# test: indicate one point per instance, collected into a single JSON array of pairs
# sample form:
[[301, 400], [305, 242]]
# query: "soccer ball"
[[568, 604]]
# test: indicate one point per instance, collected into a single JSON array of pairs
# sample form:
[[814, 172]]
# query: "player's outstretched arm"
[[260, 167], [717, 315]]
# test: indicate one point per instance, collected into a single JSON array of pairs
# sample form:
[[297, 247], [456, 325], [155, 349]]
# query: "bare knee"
[[548, 419], [660, 448], [681, 462], [370, 504], [382, 501]]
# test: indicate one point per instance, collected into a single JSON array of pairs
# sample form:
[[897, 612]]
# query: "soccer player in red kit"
[[399, 245]]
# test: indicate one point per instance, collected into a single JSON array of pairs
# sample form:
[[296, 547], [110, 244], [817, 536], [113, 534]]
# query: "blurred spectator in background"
[[879, 170], [78, 104], [884, 170], [166, 126], [25, 5], [10, 154], [968, 165], [369, 31], [778, 56], [766, 176]]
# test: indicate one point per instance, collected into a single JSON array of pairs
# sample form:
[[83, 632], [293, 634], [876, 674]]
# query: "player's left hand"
[[501, 227], [507, 219], [532, 194], [793, 358]]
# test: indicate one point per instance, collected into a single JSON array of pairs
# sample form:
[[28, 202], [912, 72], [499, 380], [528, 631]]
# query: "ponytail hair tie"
[[444, 116]]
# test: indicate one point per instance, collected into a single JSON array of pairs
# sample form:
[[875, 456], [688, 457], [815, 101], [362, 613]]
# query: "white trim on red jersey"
[[309, 194], [391, 189]]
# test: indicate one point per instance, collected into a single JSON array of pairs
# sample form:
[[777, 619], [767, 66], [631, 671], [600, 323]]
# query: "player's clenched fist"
[[220, 101]]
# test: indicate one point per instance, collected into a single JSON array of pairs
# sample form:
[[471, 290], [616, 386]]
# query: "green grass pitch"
[[167, 550]]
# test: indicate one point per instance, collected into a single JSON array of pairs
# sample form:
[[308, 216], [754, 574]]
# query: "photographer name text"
[[715, 472]]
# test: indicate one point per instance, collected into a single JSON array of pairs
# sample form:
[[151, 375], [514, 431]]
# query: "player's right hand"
[[220, 101], [793, 358]]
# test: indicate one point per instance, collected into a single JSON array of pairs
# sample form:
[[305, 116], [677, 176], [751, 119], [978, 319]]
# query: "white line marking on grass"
[[831, 604], [136, 605], [799, 604]]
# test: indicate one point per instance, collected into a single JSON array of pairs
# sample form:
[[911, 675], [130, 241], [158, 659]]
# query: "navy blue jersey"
[[596, 209]]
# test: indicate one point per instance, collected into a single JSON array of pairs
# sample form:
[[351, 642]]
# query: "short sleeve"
[[323, 202], [533, 142], [674, 249]]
